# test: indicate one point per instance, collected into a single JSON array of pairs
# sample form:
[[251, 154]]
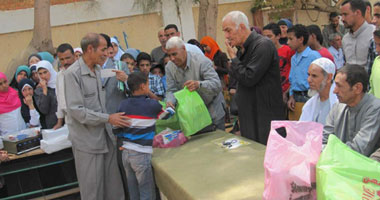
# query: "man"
[[298, 37], [196, 72], [156, 86], [357, 41], [376, 15], [321, 73], [368, 11], [115, 86], [315, 41], [66, 56], [355, 119], [159, 52], [255, 67], [90, 126], [171, 30], [333, 27], [285, 53], [336, 49]]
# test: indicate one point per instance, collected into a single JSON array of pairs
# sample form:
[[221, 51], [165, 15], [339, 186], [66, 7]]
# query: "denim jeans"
[[139, 173]]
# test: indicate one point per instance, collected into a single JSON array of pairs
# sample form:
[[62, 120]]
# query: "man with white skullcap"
[[355, 120], [320, 78]]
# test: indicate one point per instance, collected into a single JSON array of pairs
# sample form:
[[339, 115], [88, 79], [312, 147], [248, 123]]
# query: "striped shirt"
[[143, 113]]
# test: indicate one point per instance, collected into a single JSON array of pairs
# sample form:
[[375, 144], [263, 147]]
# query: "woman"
[[116, 48], [34, 75], [10, 108], [213, 52], [34, 59], [22, 72], [28, 107], [45, 97]]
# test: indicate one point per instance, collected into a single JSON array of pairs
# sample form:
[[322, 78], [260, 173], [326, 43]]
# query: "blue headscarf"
[[287, 22], [46, 56], [23, 68]]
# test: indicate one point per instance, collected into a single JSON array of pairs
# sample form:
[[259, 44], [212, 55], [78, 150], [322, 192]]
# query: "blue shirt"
[[156, 86], [300, 63]]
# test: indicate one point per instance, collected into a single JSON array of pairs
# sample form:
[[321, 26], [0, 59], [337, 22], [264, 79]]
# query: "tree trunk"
[[41, 40], [208, 13]]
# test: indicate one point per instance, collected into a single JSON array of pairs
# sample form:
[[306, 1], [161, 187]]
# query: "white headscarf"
[[120, 52], [53, 74], [78, 49]]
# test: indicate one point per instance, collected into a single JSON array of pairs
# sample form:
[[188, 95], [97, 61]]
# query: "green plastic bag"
[[343, 173], [192, 112], [172, 122]]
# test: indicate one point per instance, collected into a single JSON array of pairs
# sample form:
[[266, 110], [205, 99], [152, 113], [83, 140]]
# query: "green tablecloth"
[[201, 169]]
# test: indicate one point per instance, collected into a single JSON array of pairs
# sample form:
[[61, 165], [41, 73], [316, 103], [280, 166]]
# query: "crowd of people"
[[284, 71]]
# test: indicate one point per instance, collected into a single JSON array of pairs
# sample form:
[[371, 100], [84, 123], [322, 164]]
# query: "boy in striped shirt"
[[138, 138]]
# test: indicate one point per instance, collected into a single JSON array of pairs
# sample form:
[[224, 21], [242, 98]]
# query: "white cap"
[[326, 64]]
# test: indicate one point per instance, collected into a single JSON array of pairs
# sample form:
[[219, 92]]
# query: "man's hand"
[[170, 104], [232, 91], [291, 103], [230, 50], [121, 75], [119, 120], [191, 85], [59, 124]]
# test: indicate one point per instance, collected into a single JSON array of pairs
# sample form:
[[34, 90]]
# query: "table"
[[201, 169], [36, 174]]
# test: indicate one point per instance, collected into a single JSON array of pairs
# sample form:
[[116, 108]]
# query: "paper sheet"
[[106, 73]]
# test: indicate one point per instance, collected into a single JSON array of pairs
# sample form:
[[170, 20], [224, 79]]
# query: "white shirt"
[[11, 122], [309, 109]]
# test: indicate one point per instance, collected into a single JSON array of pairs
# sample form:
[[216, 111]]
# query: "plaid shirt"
[[155, 85], [371, 56]]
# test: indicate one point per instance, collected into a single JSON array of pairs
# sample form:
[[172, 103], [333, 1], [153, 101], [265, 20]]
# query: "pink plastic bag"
[[169, 139], [290, 160]]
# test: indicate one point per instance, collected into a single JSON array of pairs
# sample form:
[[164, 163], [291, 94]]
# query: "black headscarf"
[[25, 108]]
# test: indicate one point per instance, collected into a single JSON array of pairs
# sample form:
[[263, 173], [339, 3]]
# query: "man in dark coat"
[[255, 67]]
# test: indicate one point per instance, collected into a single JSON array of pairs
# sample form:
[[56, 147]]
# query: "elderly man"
[[159, 52], [66, 56], [94, 145], [321, 73], [196, 72], [255, 67], [336, 50], [355, 119], [356, 43]]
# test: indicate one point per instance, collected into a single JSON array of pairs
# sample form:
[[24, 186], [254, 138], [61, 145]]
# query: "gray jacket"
[[113, 95], [87, 118], [47, 106], [198, 68], [358, 127]]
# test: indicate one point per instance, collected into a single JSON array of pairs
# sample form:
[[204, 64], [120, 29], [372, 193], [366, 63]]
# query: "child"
[[138, 138]]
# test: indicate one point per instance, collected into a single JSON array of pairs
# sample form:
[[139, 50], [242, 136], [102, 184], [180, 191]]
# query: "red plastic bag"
[[169, 139], [292, 153]]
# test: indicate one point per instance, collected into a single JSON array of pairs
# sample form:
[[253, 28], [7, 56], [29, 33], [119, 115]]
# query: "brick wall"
[[22, 4]]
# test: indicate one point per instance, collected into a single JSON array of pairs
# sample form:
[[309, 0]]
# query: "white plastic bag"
[[55, 140], [48, 134]]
